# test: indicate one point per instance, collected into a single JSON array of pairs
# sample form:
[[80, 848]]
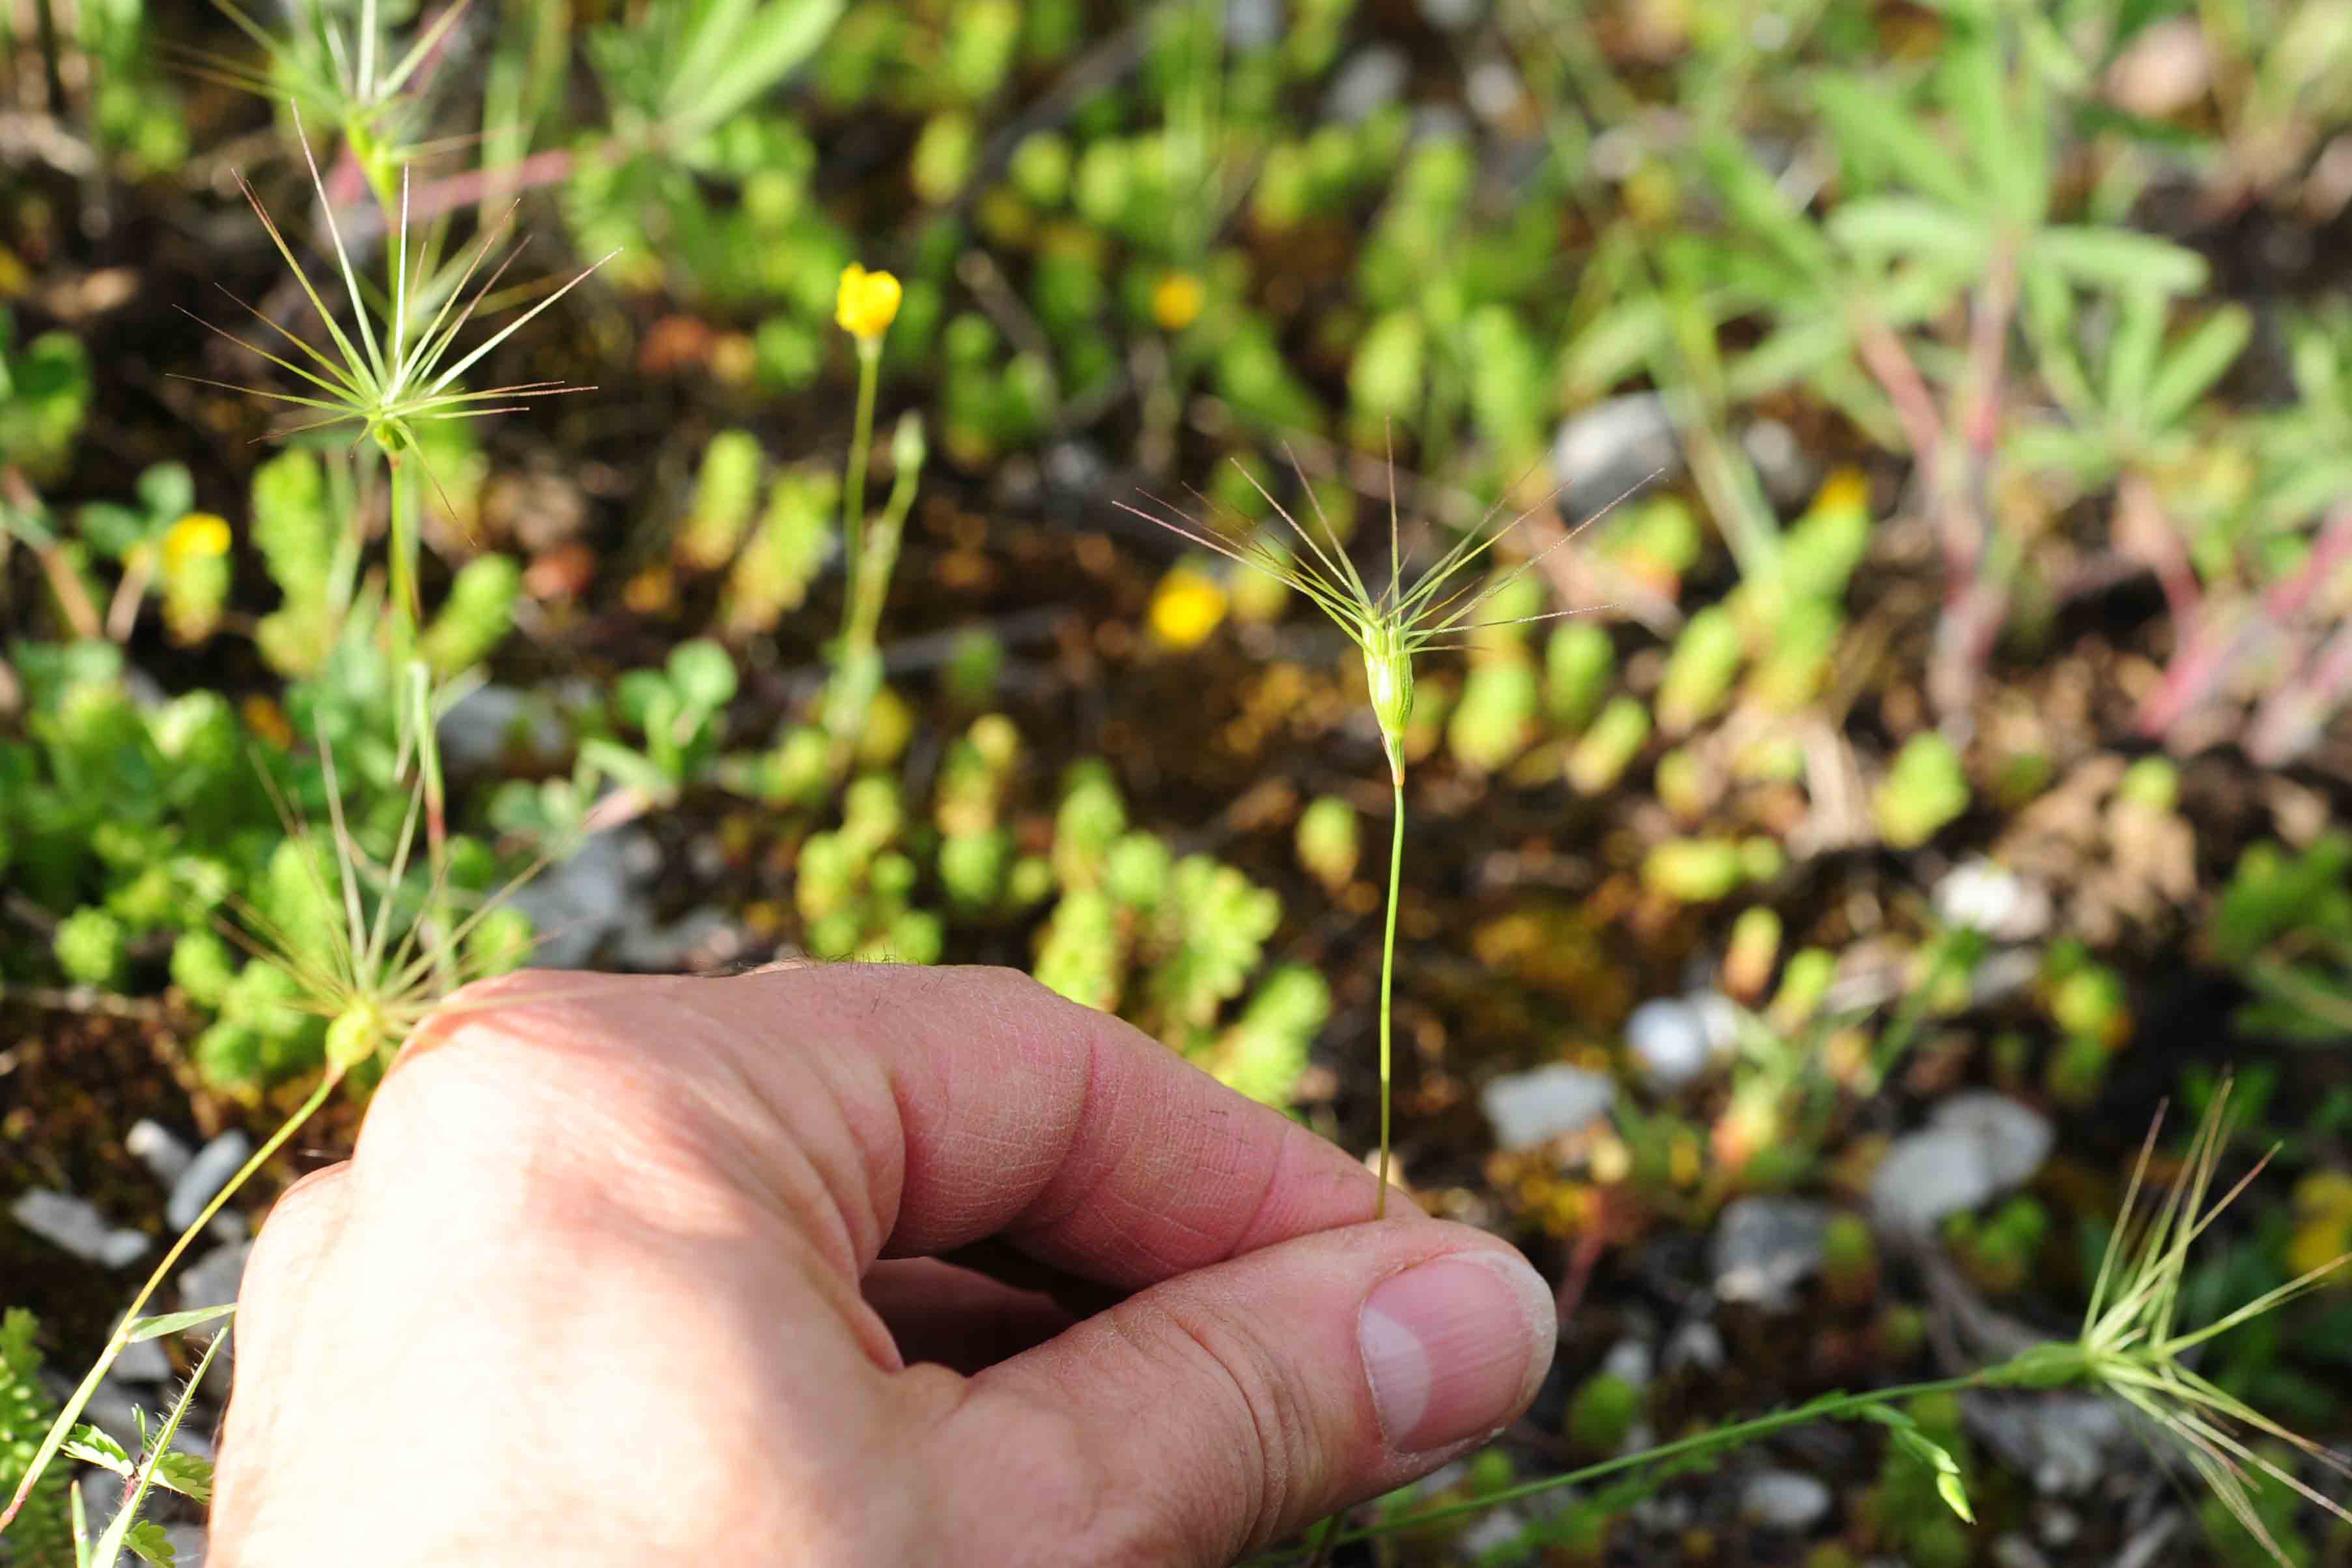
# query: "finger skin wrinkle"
[[1030, 1112], [839, 1168], [1114, 1189], [1268, 1483]]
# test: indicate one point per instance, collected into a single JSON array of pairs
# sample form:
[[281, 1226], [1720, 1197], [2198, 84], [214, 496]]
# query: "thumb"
[[1221, 1410]]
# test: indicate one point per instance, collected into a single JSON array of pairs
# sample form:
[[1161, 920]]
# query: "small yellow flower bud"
[[1186, 607], [1846, 488], [1176, 300], [199, 534], [867, 304]]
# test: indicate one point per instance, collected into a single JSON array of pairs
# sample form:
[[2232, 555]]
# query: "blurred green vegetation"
[[1952, 404]]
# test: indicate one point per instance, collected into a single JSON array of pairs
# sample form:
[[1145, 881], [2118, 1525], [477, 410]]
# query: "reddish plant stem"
[[2287, 723], [2225, 636], [548, 168]]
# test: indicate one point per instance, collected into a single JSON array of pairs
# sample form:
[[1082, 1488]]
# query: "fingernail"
[[1454, 1348]]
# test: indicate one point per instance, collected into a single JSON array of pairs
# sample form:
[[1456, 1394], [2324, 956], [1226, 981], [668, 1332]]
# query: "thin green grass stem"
[[130, 1320], [1721, 1437], [407, 609], [1388, 987], [861, 450]]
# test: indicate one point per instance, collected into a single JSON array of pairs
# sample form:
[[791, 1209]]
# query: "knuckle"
[[1252, 1475]]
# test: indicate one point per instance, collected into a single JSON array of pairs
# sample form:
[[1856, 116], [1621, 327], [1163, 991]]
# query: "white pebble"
[[158, 1148], [74, 1225], [1669, 1039], [1976, 1143], [1784, 1500], [206, 1175], [1530, 1109]]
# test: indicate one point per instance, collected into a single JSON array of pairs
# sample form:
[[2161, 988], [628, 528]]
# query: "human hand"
[[629, 1270]]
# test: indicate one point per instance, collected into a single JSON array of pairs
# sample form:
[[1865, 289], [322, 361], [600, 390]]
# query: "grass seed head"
[[1441, 610], [2133, 1346]]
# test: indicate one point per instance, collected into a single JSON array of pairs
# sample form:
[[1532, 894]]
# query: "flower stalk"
[[1390, 627], [863, 306]]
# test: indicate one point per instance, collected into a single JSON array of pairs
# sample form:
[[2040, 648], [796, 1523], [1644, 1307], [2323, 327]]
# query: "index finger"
[[934, 1108], [1067, 1132]]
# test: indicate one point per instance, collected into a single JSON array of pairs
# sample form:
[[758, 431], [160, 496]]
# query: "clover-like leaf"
[[92, 1447], [190, 1475], [147, 1539]]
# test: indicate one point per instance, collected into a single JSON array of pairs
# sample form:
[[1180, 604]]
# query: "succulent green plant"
[[1263, 1053], [679, 711], [2283, 923], [1609, 745], [42, 1535], [1579, 663], [46, 390], [1601, 1414], [788, 546], [726, 493], [1330, 840], [1925, 790]]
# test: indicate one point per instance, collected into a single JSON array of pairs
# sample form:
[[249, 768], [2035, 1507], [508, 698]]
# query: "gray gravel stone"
[[159, 1149], [1530, 1109], [1766, 1247], [76, 1225], [2065, 1443], [209, 1171], [1667, 1037], [1976, 1145], [1609, 448], [1784, 1500], [1367, 81]]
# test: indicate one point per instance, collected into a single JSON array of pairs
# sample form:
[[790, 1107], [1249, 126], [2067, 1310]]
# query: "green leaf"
[[2120, 258], [1759, 204], [1948, 1487], [92, 1447], [2083, 457], [173, 1323], [1876, 131], [167, 491], [625, 767], [2201, 359], [2131, 355], [1883, 227], [736, 52], [1788, 354], [703, 673], [127, 1528], [190, 1475], [2048, 52], [1612, 346], [113, 530], [147, 1539]]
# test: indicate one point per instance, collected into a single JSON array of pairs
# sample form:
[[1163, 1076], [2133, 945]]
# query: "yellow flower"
[[194, 536], [867, 304], [1845, 489], [1186, 607], [1176, 300]]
